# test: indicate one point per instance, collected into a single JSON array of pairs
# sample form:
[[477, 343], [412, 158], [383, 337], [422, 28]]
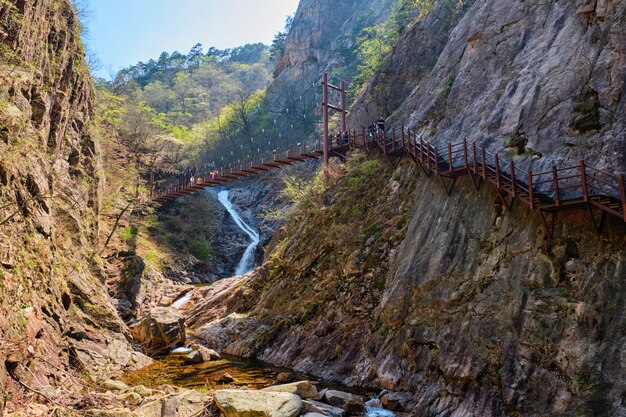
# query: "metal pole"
[[465, 152], [342, 86], [497, 171], [482, 151], [555, 180], [474, 156]]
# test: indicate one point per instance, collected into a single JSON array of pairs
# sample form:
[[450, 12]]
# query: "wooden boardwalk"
[[560, 188]]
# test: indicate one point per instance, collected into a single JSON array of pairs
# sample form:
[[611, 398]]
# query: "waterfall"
[[245, 264]]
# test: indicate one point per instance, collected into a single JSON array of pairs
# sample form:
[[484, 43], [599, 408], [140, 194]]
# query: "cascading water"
[[245, 264]]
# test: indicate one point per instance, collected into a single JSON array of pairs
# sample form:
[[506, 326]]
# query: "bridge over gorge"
[[578, 186]]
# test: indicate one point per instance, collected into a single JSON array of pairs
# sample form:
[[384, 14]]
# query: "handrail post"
[[403, 135], [465, 153], [384, 138], [422, 151], [482, 151], [497, 171], [449, 157], [474, 156], [513, 178], [623, 193], [531, 197], [364, 138], [583, 179], [555, 180], [436, 161], [325, 120]]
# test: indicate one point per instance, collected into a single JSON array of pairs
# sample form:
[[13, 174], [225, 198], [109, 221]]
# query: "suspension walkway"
[[560, 188]]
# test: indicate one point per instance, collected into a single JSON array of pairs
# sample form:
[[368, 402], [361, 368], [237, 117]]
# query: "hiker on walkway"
[[380, 124], [199, 181], [372, 130], [193, 180]]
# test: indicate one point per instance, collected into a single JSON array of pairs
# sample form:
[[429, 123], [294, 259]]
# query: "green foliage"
[[110, 107], [278, 44], [303, 193], [200, 249], [128, 233], [586, 116], [173, 110], [375, 42]]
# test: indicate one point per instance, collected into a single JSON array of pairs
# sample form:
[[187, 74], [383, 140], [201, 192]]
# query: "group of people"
[[376, 127], [212, 175]]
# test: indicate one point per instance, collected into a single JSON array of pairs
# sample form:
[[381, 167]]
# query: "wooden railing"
[[557, 188]]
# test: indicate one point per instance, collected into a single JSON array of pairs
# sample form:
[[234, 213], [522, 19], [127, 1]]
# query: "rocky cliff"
[[463, 307], [321, 31], [55, 317]]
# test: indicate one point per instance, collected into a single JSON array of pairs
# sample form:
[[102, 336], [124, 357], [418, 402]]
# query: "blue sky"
[[124, 32]]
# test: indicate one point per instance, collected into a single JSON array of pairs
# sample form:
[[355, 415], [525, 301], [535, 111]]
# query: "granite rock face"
[[549, 74], [53, 308]]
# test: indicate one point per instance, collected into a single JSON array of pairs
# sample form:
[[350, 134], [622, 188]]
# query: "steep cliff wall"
[[321, 30], [551, 74], [54, 313]]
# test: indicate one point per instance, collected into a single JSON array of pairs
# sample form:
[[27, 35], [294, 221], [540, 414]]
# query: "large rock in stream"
[[162, 329], [240, 403], [303, 389]]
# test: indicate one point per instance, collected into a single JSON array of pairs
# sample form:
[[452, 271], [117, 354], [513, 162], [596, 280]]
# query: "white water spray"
[[245, 264]]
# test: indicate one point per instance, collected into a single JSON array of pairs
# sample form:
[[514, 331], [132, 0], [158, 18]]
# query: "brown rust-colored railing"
[[576, 186]]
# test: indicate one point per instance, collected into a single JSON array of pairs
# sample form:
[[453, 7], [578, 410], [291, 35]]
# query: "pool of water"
[[205, 377]]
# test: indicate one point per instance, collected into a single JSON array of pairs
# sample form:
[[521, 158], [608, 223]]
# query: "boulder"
[[397, 401], [142, 390], [349, 402], [285, 377], [187, 403], [207, 354], [225, 379], [317, 407], [303, 389], [193, 357], [241, 403], [162, 329], [130, 398], [113, 385]]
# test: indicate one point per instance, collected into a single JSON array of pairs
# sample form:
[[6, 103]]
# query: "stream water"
[[204, 377], [245, 264]]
